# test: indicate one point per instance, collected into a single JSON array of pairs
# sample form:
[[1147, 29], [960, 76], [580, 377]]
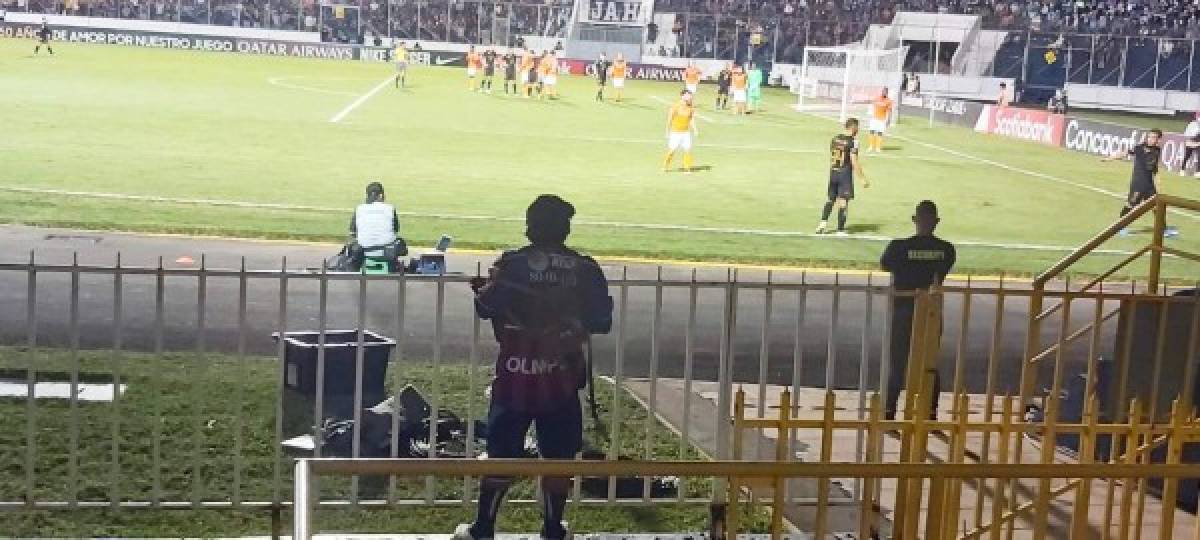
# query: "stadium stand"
[[1049, 44], [830, 22]]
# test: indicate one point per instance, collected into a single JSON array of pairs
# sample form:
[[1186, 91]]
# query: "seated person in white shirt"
[[374, 230], [1191, 148]]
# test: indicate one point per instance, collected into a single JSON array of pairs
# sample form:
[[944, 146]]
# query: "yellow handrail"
[[723, 469], [1104, 236]]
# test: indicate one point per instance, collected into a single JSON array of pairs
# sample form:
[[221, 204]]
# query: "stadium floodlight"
[[841, 78]]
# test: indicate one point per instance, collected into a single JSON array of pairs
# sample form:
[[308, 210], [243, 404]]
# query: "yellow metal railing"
[[940, 499], [1158, 207], [936, 474]]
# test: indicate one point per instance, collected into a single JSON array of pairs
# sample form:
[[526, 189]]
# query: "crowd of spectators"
[[351, 21], [250, 14], [1165, 18], [704, 27]]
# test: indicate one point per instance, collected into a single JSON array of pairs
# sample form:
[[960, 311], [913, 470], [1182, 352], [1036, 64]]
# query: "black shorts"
[[602, 81], [510, 75], [489, 72], [722, 90], [559, 433], [841, 185], [1140, 194]]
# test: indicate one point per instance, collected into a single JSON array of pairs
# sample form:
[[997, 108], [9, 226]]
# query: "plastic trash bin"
[[300, 355]]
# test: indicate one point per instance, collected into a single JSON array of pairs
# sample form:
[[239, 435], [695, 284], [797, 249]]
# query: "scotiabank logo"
[[1099, 139], [1025, 124]]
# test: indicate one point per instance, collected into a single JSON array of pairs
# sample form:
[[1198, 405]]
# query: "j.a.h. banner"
[[623, 12]]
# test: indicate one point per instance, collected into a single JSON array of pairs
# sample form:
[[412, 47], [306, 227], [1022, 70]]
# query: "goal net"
[[844, 80]]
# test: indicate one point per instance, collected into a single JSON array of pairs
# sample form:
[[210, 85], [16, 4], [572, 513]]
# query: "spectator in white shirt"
[[1191, 147]]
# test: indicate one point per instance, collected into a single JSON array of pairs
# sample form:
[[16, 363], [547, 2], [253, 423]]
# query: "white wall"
[[1143, 100], [964, 86]]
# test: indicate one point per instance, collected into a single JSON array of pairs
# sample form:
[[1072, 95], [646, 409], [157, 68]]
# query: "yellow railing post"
[[935, 514], [1080, 521], [826, 457], [920, 440], [781, 455], [1033, 344], [1174, 456], [905, 504], [958, 450], [1132, 441], [999, 499], [916, 350], [866, 516], [1160, 228], [734, 497], [1041, 506]]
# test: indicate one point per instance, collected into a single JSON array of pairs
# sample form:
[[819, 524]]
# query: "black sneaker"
[[563, 532]]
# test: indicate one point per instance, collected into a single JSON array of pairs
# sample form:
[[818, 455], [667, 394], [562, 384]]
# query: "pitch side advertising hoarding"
[[945, 110], [649, 72], [1026, 124], [1106, 139], [197, 42]]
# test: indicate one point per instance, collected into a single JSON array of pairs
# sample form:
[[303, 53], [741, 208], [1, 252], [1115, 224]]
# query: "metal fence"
[[998, 465], [201, 418]]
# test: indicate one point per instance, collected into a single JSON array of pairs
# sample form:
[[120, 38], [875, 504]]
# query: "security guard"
[[917, 262]]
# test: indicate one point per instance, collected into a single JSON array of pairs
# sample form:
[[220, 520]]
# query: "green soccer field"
[[221, 128]]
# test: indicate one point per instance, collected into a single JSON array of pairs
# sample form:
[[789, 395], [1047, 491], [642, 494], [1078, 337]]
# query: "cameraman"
[[544, 300], [374, 230]]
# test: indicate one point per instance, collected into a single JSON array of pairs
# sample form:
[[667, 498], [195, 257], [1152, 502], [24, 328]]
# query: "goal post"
[[839, 79]]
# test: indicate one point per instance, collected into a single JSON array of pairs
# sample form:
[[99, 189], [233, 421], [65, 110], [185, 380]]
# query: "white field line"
[[1010, 168], [662, 142], [361, 99], [1035, 174], [282, 83], [626, 140], [514, 219]]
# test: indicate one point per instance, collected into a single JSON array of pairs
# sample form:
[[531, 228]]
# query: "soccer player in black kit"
[[917, 262], [843, 167], [1144, 183], [43, 35], [601, 67], [724, 80], [510, 72], [489, 70]]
